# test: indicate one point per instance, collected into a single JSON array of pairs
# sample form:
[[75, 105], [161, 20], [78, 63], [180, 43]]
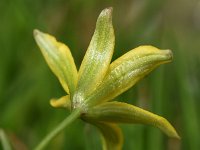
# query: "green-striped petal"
[[59, 59], [63, 102], [127, 70], [111, 135], [117, 112], [98, 56]]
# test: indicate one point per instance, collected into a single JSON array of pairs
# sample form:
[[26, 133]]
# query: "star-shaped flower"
[[91, 90]]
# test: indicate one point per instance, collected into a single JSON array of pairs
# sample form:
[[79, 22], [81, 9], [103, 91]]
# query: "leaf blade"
[[6, 145]]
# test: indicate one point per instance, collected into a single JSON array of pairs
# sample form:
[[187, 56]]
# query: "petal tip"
[[109, 9], [167, 128], [36, 32], [168, 54], [176, 136], [106, 12], [53, 103]]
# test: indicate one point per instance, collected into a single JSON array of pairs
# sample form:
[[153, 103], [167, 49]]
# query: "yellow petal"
[[98, 56], [111, 135], [59, 59], [127, 70], [117, 112], [63, 102]]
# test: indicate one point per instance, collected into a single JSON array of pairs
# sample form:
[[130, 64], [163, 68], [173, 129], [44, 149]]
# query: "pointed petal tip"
[[106, 12], [109, 9], [176, 136], [52, 103], [63, 102], [165, 54], [167, 128], [168, 54], [173, 134], [36, 32]]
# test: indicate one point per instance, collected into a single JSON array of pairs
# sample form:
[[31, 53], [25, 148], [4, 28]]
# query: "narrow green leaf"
[[59, 59], [98, 56], [63, 102], [127, 70], [4, 140], [111, 135], [117, 112]]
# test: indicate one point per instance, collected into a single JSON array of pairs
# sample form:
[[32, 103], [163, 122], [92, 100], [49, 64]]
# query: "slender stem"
[[73, 116]]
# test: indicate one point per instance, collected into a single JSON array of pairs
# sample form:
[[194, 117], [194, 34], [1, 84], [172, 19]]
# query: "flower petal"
[[111, 135], [127, 70], [59, 59], [117, 112], [98, 56], [63, 102]]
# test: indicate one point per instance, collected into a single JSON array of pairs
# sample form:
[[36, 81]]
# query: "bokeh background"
[[27, 84]]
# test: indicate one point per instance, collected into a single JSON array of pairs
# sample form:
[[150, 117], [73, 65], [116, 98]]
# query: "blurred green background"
[[27, 84]]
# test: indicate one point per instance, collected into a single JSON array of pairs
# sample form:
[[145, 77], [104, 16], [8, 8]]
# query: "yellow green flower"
[[92, 89]]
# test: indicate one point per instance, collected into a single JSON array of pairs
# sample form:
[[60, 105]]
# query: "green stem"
[[73, 116]]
